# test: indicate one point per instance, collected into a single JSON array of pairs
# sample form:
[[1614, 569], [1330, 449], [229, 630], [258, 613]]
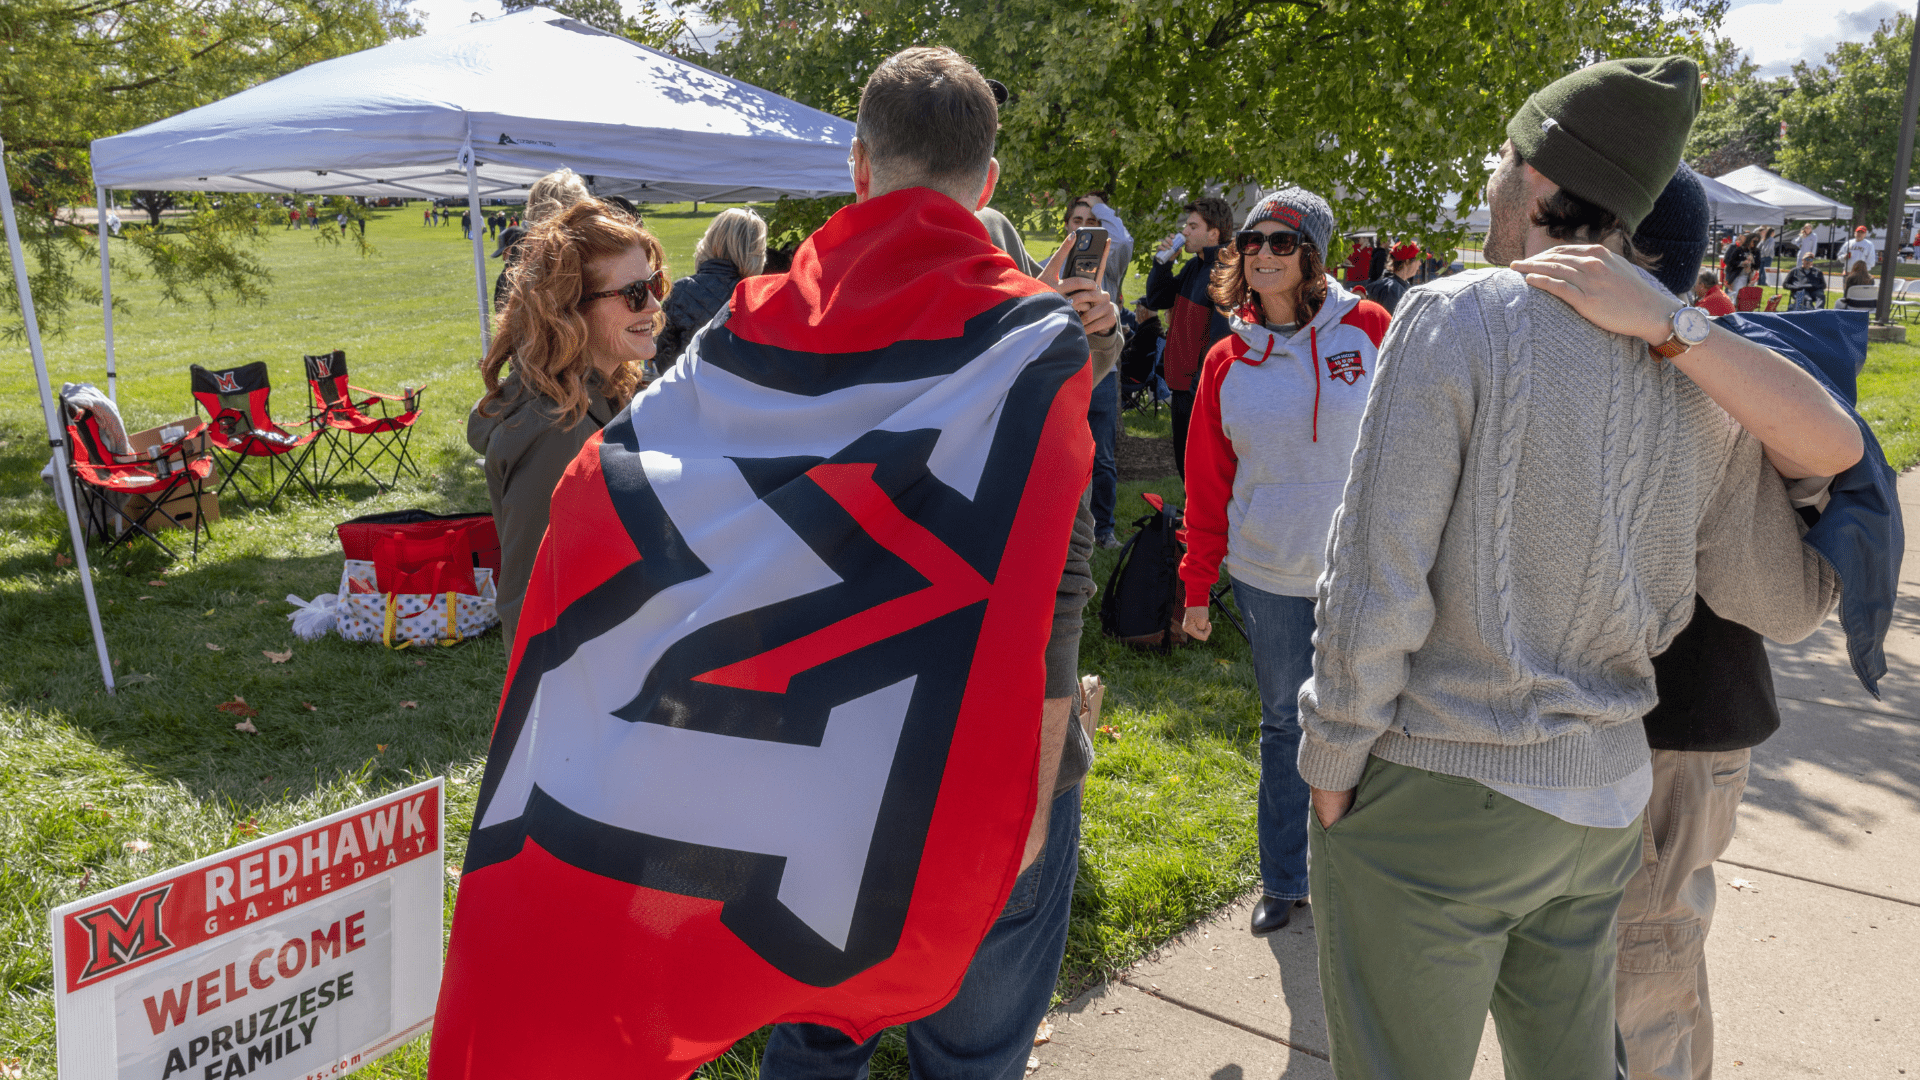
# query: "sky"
[[1775, 33]]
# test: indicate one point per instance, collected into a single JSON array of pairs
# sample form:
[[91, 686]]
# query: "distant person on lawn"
[[734, 247], [1808, 284], [1193, 323], [578, 329], [1708, 297]]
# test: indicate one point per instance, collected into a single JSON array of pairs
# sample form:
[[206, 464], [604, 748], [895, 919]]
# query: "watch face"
[[1691, 325]]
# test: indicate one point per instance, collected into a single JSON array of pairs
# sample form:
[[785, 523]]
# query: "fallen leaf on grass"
[[143, 598], [12, 1068], [277, 657], [247, 827], [1224, 663], [214, 648], [381, 747], [1109, 731], [117, 663], [419, 663], [60, 559], [136, 677], [246, 726], [409, 704], [157, 581], [137, 846], [84, 878], [257, 603], [209, 611], [1045, 1034], [309, 706], [453, 872], [238, 707]]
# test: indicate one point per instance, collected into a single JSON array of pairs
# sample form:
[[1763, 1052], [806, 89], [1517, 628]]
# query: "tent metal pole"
[[476, 229], [56, 431], [106, 296], [1897, 202]]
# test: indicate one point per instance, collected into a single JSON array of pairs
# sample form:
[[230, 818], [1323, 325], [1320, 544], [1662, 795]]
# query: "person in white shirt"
[[1860, 249]]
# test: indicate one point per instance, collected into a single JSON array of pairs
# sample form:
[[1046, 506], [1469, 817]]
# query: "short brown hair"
[[1709, 279], [1216, 212], [927, 115]]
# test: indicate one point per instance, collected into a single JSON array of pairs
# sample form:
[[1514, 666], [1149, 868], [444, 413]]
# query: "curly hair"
[[1233, 296], [542, 332]]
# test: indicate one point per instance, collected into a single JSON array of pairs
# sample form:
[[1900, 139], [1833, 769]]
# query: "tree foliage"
[[1843, 119], [1386, 107], [1740, 123], [72, 71], [649, 27]]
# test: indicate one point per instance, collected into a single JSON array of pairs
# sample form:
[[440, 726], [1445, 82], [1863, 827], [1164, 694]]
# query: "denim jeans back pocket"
[[1026, 888]]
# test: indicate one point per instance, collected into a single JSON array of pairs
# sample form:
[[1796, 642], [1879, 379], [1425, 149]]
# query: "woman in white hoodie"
[[1275, 420]]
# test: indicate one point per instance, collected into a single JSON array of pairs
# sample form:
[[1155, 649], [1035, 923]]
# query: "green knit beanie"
[[1612, 133]]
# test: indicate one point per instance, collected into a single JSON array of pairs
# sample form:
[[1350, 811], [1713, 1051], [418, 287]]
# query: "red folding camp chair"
[[349, 428], [105, 483], [1773, 302], [1748, 299], [240, 424]]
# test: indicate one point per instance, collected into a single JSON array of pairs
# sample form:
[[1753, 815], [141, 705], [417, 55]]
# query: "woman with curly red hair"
[[583, 308], [1275, 420]]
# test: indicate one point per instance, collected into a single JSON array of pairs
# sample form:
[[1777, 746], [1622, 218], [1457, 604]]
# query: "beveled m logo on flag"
[[228, 384]]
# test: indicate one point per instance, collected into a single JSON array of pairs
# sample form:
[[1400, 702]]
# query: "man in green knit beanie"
[[1556, 458]]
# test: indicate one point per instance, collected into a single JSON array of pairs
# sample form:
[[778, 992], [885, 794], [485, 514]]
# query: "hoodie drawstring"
[[1313, 342]]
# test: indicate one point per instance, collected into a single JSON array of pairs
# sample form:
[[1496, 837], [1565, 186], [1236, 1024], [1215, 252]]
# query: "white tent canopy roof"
[[533, 90], [1731, 206], [1796, 201]]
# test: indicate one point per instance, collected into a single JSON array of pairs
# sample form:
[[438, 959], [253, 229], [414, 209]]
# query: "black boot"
[[1270, 914]]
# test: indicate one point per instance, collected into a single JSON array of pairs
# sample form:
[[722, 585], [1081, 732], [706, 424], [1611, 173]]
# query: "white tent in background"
[[1799, 203], [1732, 206], [482, 111]]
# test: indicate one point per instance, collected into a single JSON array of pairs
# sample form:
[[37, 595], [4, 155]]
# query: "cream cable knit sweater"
[[1533, 504]]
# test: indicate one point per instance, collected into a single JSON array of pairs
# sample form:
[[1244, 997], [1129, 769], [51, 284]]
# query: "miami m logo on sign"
[[114, 941]]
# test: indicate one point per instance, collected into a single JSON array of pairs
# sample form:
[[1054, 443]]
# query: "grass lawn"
[[1169, 806]]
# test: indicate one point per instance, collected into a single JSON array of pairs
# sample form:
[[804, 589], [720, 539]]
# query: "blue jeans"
[[986, 1031], [1280, 629], [1103, 416]]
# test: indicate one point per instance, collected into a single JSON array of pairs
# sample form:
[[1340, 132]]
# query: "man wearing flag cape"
[[784, 722]]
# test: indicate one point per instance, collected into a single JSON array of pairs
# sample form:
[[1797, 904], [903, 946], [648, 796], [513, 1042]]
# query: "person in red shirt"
[[1275, 420], [1708, 297]]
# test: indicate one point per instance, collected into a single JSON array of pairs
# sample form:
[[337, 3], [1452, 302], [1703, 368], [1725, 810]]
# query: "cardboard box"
[[176, 513], [143, 441]]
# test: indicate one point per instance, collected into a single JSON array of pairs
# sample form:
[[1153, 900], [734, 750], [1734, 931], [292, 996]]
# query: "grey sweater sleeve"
[[1752, 567], [1375, 607]]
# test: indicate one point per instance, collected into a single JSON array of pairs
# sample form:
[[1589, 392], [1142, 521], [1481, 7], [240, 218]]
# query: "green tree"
[[1740, 122], [1384, 106], [72, 71], [1843, 119], [650, 27]]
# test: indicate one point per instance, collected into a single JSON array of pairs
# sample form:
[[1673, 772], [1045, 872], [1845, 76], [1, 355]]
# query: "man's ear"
[[862, 172], [993, 177]]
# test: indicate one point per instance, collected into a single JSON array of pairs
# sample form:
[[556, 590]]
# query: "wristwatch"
[[1690, 327]]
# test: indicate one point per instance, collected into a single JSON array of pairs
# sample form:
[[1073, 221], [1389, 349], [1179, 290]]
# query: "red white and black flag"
[[768, 744]]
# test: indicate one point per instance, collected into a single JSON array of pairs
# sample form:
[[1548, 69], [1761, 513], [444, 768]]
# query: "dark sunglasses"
[[635, 292], [1280, 243]]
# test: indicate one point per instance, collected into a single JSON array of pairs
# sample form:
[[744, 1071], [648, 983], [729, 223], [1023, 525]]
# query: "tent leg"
[[56, 430], [476, 230], [106, 296]]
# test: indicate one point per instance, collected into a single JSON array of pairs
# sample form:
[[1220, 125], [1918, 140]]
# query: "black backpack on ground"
[[1142, 605]]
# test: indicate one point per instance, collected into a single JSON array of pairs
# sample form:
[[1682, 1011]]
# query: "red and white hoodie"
[[1275, 421]]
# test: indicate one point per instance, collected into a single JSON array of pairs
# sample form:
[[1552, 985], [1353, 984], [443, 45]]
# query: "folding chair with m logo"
[[240, 424], [348, 427], [105, 483]]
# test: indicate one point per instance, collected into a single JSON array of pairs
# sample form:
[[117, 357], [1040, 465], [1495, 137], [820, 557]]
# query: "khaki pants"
[[1436, 899], [1666, 1018]]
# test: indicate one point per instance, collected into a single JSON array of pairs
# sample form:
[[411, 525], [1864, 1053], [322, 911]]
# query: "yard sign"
[[302, 955]]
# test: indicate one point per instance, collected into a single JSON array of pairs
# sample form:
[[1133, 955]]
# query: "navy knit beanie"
[[1676, 231]]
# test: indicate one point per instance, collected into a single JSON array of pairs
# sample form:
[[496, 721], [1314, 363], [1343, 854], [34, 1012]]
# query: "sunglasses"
[[636, 292], [1280, 243]]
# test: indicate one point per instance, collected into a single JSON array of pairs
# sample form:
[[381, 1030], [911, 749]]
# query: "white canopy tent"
[[1731, 206], [483, 111], [1799, 203]]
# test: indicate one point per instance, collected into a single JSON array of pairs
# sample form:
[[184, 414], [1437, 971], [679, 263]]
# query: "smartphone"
[[1086, 255]]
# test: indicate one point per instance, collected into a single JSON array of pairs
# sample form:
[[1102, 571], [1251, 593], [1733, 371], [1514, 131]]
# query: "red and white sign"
[[302, 955]]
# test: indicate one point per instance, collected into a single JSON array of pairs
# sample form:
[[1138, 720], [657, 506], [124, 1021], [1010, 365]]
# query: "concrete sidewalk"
[[1814, 955]]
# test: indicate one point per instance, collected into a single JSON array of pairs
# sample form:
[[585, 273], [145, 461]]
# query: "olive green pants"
[[1436, 899]]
